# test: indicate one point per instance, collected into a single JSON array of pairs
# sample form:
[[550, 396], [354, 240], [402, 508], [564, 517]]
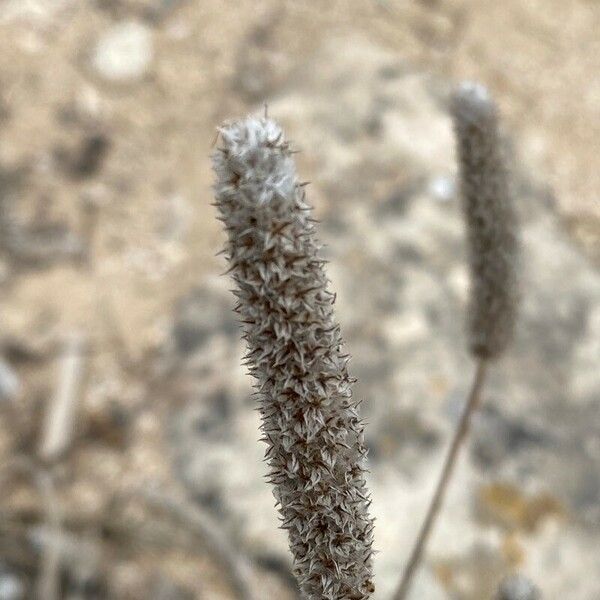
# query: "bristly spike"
[[312, 429], [492, 228]]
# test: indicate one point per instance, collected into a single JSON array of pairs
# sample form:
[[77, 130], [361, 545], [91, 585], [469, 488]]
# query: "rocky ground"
[[107, 116]]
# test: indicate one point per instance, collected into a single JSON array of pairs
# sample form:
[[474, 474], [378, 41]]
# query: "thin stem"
[[436, 503]]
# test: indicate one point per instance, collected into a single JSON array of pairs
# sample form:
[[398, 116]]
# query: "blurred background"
[[129, 460]]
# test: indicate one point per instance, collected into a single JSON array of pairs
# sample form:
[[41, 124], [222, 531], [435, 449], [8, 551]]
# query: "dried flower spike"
[[311, 425], [493, 250], [491, 224]]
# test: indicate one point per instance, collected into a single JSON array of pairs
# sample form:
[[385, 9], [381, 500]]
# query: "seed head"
[[491, 224], [310, 422]]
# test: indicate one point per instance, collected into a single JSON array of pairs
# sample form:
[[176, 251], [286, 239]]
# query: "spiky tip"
[[254, 158]]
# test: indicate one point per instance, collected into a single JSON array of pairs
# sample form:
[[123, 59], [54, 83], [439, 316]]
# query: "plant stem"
[[436, 503]]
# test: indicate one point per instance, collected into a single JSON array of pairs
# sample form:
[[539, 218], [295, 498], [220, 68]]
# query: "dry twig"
[[62, 409]]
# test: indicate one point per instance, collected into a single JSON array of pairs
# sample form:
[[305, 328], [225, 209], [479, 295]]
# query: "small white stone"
[[124, 52], [9, 383], [11, 588], [517, 587], [442, 188]]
